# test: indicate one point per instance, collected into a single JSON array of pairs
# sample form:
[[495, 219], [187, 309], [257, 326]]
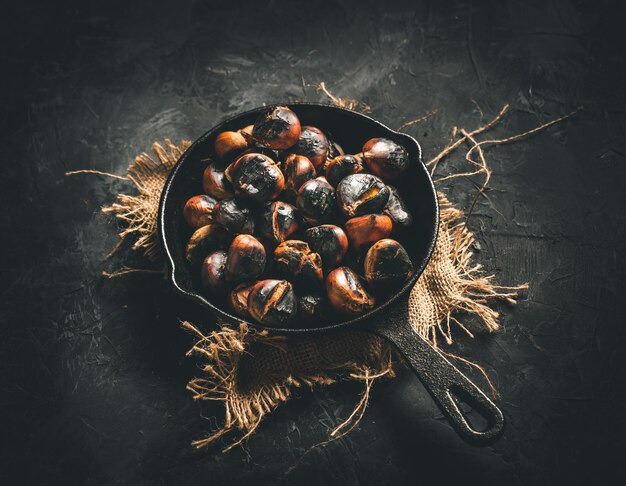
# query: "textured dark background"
[[93, 373]]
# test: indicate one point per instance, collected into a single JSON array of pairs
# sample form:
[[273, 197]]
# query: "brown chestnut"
[[246, 132], [205, 240], [246, 259], [317, 201], [278, 221], [359, 194], [234, 216], [272, 302], [330, 242], [313, 144], [346, 294], [294, 258], [313, 308], [198, 210], [215, 183], [387, 265], [297, 169], [363, 231], [238, 299], [385, 158], [277, 128], [212, 272], [255, 177], [342, 166], [397, 211], [228, 145]]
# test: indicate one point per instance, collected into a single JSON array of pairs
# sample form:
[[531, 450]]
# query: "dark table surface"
[[93, 371]]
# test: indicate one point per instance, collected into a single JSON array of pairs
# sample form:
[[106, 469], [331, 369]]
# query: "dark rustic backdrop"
[[93, 373]]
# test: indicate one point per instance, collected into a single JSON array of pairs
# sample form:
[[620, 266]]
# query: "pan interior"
[[351, 130]]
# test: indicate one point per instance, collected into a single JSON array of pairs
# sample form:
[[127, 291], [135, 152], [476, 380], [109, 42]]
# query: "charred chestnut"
[[330, 242], [397, 211], [363, 231], [205, 240], [278, 220], [238, 299], [346, 294], [230, 144], [235, 217], [297, 169], [313, 308], [385, 158], [255, 177], [272, 302], [317, 201], [215, 183], [278, 128], [387, 265], [359, 194], [294, 258], [342, 166], [212, 272], [313, 144], [198, 210], [246, 259]]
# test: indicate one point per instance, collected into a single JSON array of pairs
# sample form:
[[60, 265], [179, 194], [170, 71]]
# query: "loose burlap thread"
[[252, 372]]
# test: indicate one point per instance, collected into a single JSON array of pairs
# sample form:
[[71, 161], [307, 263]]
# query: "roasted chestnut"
[[346, 294], [255, 177], [387, 265], [294, 258], [334, 149], [397, 211], [317, 201], [205, 240], [363, 231], [313, 144], [215, 183], [230, 144], [342, 166], [234, 216], [212, 272], [198, 210], [330, 242], [246, 259], [246, 133], [277, 128], [297, 169], [272, 302], [359, 194], [238, 299], [278, 221], [385, 158], [313, 308]]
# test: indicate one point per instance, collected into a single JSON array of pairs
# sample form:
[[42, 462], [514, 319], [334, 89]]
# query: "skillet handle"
[[444, 382]]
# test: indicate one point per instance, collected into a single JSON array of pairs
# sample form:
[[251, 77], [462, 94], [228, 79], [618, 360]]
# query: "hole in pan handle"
[[445, 383]]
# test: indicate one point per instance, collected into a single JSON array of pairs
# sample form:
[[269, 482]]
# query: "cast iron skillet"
[[444, 382]]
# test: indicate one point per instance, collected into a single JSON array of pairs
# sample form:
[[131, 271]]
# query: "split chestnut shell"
[[238, 299], [278, 221], [294, 258], [346, 294], [387, 265], [342, 166], [278, 128], [255, 177], [206, 240], [272, 302], [359, 194]]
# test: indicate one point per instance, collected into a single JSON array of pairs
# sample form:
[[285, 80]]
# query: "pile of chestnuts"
[[290, 229]]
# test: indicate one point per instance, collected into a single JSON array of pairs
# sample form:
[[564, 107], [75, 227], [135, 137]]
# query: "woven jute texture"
[[252, 372]]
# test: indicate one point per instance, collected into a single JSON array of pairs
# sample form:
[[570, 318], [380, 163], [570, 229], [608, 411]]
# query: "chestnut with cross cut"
[[255, 177], [317, 201], [330, 242], [346, 293], [277, 221], [294, 259], [234, 216], [272, 302], [278, 128], [359, 194]]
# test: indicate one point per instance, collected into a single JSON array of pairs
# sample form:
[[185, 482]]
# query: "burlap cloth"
[[252, 372]]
